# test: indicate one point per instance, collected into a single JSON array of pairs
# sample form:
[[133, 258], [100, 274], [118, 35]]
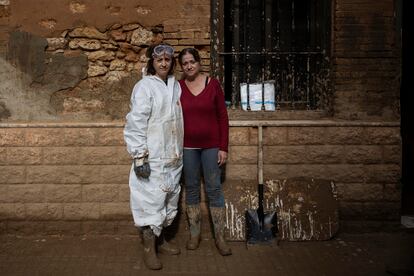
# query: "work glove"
[[141, 167]]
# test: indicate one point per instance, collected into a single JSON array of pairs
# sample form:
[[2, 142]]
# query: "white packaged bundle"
[[255, 96]]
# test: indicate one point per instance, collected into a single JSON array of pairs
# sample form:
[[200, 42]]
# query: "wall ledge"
[[233, 123]]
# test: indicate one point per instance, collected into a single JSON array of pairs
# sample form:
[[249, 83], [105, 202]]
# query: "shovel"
[[261, 227]]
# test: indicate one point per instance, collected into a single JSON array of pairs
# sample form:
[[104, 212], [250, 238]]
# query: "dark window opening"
[[284, 42]]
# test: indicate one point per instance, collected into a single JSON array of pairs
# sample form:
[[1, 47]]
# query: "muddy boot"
[[218, 217], [150, 255], [194, 221], [165, 247]]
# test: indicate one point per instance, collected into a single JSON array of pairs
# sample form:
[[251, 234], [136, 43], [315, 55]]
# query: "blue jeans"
[[194, 161]]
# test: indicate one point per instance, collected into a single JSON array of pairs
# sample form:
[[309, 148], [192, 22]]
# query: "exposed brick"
[[387, 173], [343, 135], [363, 154], [179, 35], [44, 211], [100, 227], [60, 155], [3, 156], [100, 193], [63, 174], [360, 192], [12, 137], [104, 155], [23, 156], [172, 42], [284, 154], [110, 137], [127, 227], [239, 136], [350, 210], [325, 154], [369, 210], [80, 136], [62, 228], [392, 154], [115, 174], [12, 174], [115, 211], [203, 35], [338, 173], [20, 211], [253, 137], [25, 227], [194, 41], [3, 227], [60, 136], [306, 135], [62, 193], [124, 193], [7, 211], [392, 192], [242, 155], [382, 210], [238, 172], [4, 194], [382, 135], [80, 211], [44, 137], [274, 135], [26, 193], [279, 171]]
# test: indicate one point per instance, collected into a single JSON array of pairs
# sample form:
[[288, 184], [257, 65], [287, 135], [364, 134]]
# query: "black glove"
[[141, 167]]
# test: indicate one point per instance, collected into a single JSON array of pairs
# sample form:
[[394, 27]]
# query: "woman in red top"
[[206, 136]]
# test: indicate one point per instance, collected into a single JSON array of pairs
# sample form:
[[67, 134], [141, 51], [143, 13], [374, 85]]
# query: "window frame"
[[218, 47]]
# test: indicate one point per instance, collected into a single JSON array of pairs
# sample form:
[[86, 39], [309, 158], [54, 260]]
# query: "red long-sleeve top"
[[206, 123]]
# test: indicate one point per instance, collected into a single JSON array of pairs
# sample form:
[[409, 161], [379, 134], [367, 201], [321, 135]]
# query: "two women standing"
[[154, 134]]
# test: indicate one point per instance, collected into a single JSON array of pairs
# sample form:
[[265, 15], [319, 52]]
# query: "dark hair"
[[191, 51], [150, 62]]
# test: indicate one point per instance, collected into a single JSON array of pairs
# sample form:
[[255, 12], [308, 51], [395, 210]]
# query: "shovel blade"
[[258, 231]]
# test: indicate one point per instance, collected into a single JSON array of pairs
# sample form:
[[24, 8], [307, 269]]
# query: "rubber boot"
[[218, 218], [165, 247], [151, 259], [194, 222]]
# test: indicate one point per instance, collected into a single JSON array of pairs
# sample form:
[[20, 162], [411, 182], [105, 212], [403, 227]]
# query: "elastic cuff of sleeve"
[[140, 155]]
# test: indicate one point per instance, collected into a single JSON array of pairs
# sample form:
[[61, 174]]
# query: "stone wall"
[[73, 178], [81, 61], [78, 62]]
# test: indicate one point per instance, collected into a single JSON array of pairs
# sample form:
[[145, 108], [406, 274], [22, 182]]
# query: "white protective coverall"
[[155, 126]]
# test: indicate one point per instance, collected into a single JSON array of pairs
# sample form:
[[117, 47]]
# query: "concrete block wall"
[[64, 179], [366, 60], [73, 178]]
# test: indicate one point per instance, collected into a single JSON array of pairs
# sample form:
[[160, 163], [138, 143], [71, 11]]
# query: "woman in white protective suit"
[[154, 137]]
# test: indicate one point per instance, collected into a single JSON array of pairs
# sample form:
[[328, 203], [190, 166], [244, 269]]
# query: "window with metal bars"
[[282, 42]]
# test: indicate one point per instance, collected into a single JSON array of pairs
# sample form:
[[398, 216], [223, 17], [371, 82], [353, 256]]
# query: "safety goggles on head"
[[161, 50]]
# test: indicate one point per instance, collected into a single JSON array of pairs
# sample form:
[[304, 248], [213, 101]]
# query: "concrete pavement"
[[358, 254]]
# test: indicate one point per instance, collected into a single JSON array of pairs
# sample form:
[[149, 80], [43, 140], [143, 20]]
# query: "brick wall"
[[366, 60], [73, 178]]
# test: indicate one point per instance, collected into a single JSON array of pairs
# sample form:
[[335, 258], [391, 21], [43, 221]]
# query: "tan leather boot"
[[218, 218], [194, 222], [166, 247], [151, 259]]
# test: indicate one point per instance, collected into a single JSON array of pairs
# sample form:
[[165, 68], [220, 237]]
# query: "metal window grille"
[[284, 41]]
